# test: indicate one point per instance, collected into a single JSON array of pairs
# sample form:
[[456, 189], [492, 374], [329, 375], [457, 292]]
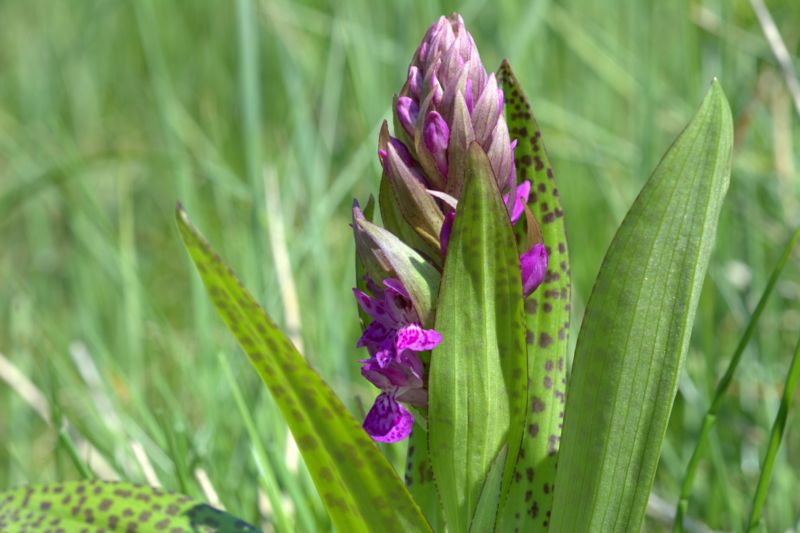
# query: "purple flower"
[[448, 102], [388, 420], [533, 265], [520, 200], [393, 339]]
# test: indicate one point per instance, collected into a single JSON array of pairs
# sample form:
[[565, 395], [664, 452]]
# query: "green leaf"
[[775, 436], [95, 505], [547, 317], [358, 485], [361, 270], [636, 331], [486, 512], [710, 418], [419, 476], [477, 374]]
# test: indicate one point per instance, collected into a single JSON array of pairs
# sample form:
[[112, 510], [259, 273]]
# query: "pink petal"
[[413, 337], [533, 265], [520, 200], [444, 234], [414, 81], [388, 421], [436, 136], [407, 112], [373, 307], [398, 303], [375, 335]]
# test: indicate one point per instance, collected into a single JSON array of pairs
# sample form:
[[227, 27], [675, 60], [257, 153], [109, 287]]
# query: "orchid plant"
[[463, 290]]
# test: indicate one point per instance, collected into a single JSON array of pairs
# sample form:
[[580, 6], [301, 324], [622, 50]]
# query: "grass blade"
[[775, 441], [722, 387], [637, 328], [359, 487]]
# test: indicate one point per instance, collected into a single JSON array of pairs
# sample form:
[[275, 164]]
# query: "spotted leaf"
[[547, 319], [94, 506], [358, 485]]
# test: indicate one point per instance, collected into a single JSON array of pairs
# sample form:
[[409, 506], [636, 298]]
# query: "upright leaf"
[[547, 317], [636, 331], [477, 374], [419, 476], [754, 523], [96, 505], [359, 487]]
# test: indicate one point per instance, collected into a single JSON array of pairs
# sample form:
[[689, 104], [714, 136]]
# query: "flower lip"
[[388, 421]]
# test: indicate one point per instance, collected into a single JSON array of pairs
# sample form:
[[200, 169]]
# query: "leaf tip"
[[180, 212], [715, 92]]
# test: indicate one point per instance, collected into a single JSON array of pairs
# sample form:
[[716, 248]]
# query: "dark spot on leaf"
[[545, 340]]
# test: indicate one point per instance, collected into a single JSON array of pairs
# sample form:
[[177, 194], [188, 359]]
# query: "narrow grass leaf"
[[477, 375], [547, 318], [776, 434], [722, 387], [267, 478], [96, 505], [636, 331], [359, 487]]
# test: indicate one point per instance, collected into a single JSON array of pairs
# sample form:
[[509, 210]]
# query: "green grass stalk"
[[711, 415]]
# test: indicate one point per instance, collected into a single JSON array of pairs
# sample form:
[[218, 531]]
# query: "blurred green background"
[[262, 118]]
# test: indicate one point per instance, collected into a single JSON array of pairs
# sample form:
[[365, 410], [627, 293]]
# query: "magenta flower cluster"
[[448, 102]]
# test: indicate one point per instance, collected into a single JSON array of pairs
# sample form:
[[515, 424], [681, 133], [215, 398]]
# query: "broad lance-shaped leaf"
[[636, 331], [359, 487], [96, 505], [547, 316], [477, 374]]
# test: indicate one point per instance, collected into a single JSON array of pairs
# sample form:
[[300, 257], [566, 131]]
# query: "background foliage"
[[262, 117]]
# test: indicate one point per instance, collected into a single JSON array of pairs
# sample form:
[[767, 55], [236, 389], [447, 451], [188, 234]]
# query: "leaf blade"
[[477, 375], [359, 487], [547, 318], [94, 504], [625, 372]]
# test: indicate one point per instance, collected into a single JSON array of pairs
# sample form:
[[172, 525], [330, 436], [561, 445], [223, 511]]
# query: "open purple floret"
[[393, 339]]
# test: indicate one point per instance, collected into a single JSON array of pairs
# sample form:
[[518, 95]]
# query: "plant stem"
[[774, 441], [724, 383]]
